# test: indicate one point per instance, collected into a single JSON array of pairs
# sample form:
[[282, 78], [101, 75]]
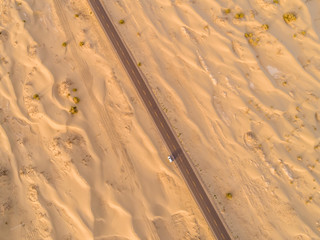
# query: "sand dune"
[[239, 85]]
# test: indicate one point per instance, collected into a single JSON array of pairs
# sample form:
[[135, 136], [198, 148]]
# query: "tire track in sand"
[[105, 118]]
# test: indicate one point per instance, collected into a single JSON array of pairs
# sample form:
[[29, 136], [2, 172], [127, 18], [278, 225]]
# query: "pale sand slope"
[[99, 174], [249, 115]]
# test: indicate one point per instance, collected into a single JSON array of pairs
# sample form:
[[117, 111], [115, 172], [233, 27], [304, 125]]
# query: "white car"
[[170, 158]]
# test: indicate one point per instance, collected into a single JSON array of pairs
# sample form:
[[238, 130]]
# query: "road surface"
[[181, 160]]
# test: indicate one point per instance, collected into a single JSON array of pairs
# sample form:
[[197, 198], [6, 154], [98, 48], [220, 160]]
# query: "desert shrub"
[[303, 33], [139, 64], [36, 97], [227, 10], [239, 15], [265, 26], [252, 39], [76, 15], [73, 110], [254, 42], [81, 44], [248, 35], [229, 195], [64, 44], [276, 1], [121, 21], [289, 17], [74, 90], [76, 100], [309, 199]]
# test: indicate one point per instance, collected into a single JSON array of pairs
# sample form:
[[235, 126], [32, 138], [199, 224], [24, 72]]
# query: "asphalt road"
[[181, 160]]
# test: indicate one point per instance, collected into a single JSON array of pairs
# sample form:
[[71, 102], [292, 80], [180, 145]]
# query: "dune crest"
[[80, 158]]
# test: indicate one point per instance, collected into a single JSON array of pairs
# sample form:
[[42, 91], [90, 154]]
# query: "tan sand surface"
[[243, 97]]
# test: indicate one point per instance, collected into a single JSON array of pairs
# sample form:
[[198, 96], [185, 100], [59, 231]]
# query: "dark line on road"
[[182, 162]]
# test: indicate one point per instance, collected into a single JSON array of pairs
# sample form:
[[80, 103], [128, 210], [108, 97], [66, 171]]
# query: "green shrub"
[[76, 15], [289, 17], [81, 44], [139, 64], [64, 44], [276, 1], [74, 90], [121, 21], [265, 26]]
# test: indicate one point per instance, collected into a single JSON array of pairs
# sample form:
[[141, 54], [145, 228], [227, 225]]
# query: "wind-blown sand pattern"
[[243, 98]]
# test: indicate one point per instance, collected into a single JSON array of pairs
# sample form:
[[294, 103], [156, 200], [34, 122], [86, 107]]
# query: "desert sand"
[[239, 85]]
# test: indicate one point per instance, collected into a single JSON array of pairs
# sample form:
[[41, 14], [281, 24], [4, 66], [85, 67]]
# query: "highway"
[[169, 137]]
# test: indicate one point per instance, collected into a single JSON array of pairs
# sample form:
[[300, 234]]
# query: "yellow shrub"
[[73, 110], [239, 15], [76, 100], [289, 17]]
